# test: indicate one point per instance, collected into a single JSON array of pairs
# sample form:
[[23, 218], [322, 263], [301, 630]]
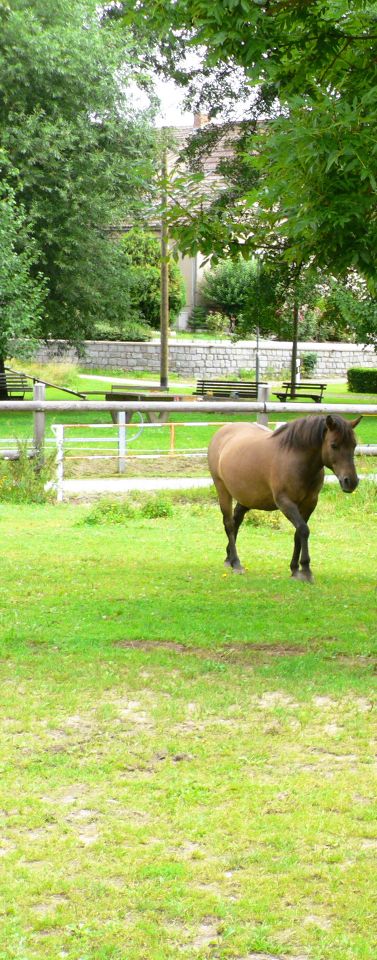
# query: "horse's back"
[[239, 459], [232, 433]]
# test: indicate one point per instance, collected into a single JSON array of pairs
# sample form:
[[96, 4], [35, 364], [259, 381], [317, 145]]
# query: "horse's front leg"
[[301, 538]]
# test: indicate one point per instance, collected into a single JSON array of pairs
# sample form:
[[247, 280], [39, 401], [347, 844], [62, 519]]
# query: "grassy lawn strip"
[[188, 758]]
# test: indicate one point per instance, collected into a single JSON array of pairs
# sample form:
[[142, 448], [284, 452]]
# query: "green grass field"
[[188, 757]]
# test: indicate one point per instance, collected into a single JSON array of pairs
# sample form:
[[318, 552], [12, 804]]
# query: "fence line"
[[182, 406], [121, 426]]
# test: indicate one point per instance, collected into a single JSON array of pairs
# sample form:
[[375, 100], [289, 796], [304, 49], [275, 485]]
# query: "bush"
[[362, 380], [217, 322], [141, 251], [109, 511], [120, 511], [308, 363], [198, 319], [22, 482], [134, 330], [226, 288], [155, 507]]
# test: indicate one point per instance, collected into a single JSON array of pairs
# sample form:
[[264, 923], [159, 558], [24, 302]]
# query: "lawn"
[[188, 759]]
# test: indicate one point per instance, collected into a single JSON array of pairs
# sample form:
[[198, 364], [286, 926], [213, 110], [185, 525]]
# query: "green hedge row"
[[362, 380]]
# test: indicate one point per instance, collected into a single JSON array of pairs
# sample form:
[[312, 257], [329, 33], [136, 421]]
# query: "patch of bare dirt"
[[84, 822], [272, 956], [6, 846], [276, 698], [369, 843], [49, 906], [133, 711], [207, 934], [232, 653]]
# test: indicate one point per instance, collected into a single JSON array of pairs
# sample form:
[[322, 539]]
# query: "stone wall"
[[212, 358]]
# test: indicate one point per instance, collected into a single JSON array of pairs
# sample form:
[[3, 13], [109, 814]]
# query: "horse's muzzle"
[[348, 484]]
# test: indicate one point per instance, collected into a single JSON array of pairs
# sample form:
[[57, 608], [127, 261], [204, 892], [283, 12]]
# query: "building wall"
[[212, 358]]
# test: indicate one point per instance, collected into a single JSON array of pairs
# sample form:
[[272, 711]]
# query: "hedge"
[[362, 380]]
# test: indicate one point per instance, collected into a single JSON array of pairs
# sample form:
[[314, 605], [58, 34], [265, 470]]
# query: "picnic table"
[[156, 416], [307, 391]]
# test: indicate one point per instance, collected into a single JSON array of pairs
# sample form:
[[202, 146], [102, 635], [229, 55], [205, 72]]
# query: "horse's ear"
[[353, 423], [330, 422]]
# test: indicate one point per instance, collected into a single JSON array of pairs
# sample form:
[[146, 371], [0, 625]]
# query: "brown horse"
[[280, 470]]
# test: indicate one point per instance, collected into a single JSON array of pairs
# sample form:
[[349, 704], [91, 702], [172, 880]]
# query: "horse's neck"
[[311, 461]]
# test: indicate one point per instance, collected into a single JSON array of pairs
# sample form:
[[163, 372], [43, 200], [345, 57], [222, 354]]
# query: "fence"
[[39, 407], [122, 444]]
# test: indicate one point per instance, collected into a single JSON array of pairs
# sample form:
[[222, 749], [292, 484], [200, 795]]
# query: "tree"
[[21, 296], [313, 66], [80, 155]]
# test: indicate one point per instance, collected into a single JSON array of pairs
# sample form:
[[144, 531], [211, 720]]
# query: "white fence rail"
[[89, 444]]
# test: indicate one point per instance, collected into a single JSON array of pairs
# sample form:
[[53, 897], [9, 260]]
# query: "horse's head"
[[338, 449]]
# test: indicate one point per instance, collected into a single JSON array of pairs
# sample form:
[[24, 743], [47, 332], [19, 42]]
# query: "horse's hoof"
[[227, 562], [307, 577], [238, 569]]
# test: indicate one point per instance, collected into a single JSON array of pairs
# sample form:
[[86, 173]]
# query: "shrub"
[[109, 511], [22, 482], [120, 511], [155, 507], [362, 380], [217, 322], [141, 251], [226, 288], [308, 363], [132, 329], [198, 319]]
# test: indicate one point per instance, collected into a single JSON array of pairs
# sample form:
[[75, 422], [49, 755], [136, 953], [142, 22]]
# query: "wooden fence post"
[[39, 417], [263, 392]]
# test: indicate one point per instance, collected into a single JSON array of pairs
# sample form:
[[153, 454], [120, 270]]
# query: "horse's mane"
[[309, 431]]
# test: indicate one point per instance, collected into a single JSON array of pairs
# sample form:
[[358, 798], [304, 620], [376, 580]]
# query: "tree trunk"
[[164, 293], [3, 388], [294, 348]]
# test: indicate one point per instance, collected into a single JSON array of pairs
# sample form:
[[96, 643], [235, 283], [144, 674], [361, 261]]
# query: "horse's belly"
[[248, 478], [257, 498]]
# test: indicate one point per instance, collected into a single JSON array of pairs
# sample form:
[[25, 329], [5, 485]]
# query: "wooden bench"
[[14, 386], [307, 391], [228, 389]]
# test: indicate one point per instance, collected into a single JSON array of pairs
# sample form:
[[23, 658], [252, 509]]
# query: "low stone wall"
[[212, 358]]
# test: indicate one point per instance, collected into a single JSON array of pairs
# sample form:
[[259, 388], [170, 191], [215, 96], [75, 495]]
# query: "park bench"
[[228, 389], [302, 391], [14, 386]]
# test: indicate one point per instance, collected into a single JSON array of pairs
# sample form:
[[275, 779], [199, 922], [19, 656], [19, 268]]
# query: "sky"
[[171, 113]]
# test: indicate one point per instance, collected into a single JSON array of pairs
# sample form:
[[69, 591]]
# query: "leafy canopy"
[[80, 156], [313, 159], [21, 297]]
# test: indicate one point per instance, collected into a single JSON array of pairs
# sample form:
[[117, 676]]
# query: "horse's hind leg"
[[231, 526], [238, 515]]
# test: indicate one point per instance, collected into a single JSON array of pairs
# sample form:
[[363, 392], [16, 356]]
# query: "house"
[[192, 268]]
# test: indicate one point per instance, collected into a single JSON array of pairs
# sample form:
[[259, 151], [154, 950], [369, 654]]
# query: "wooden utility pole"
[[164, 309], [295, 332]]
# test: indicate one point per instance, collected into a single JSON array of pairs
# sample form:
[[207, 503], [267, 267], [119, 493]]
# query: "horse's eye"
[[334, 446]]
